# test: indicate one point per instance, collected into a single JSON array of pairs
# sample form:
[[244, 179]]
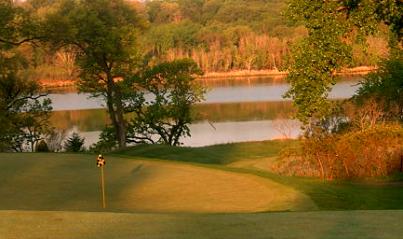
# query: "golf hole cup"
[[100, 161]]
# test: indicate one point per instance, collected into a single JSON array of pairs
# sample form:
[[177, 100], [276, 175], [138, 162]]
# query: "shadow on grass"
[[340, 195], [336, 195], [62, 182], [216, 154]]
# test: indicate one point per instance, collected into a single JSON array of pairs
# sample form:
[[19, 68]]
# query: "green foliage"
[[168, 36], [17, 25], [198, 29], [160, 107], [24, 112], [173, 90], [256, 13], [219, 35], [107, 141], [105, 34], [332, 27], [74, 143], [386, 86]]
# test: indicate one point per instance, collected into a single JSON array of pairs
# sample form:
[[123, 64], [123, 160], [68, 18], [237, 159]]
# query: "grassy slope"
[[27, 179], [70, 182], [246, 158], [307, 225], [216, 154], [252, 157]]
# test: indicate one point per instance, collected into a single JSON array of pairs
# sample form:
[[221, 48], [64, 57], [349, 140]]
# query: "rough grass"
[[306, 225], [70, 182]]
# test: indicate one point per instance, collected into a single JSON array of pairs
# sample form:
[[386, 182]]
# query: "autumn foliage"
[[370, 152]]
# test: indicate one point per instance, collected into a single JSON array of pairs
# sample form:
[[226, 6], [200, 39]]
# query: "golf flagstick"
[[100, 164], [103, 188]]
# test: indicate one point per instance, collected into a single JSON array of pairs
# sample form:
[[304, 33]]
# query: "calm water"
[[234, 111]]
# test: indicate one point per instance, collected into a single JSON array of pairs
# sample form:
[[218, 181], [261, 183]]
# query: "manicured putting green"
[[70, 182]]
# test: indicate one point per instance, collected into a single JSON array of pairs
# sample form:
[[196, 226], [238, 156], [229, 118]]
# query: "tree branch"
[[29, 97]]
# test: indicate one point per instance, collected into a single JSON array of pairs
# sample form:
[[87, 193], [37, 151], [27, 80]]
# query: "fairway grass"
[[222, 191], [70, 182], [287, 225], [256, 158]]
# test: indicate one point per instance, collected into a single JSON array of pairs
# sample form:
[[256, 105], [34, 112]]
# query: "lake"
[[235, 110]]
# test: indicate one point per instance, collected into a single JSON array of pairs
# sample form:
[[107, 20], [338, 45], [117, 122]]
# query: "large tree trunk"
[[121, 132], [115, 110]]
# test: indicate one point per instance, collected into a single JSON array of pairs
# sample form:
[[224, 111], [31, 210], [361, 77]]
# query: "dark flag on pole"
[[100, 161]]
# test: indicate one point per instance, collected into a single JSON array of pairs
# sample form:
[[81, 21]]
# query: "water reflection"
[[96, 119], [229, 132], [262, 91], [207, 133], [234, 111], [243, 111], [82, 120], [215, 123]]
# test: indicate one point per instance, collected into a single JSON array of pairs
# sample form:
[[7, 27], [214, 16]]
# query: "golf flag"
[[100, 161]]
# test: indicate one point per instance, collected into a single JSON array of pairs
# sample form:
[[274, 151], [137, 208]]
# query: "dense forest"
[[219, 35]]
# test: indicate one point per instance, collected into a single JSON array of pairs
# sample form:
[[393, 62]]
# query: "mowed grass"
[[71, 182], [255, 158], [215, 154], [164, 192], [207, 173], [297, 225]]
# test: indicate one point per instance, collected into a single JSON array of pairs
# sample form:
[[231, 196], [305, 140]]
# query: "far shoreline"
[[356, 71], [233, 75]]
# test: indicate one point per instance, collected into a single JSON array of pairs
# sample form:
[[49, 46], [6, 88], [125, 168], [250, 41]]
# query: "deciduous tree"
[[24, 111], [165, 118], [332, 27], [105, 33]]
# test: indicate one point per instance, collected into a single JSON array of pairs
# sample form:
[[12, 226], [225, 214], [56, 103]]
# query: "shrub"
[[74, 143], [107, 141], [370, 152], [42, 146]]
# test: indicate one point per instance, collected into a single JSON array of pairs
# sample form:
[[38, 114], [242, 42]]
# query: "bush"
[[370, 152], [74, 143], [42, 146], [107, 141]]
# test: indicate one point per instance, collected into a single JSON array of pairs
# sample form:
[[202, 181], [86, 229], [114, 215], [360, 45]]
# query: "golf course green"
[[222, 191]]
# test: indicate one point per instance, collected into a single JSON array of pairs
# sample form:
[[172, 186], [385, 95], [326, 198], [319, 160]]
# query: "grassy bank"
[[215, 154], [255, 158]]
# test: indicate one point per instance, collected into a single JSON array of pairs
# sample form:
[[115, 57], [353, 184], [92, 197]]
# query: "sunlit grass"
[[301, 225], [255, 158], [70, 182], [185, 188]]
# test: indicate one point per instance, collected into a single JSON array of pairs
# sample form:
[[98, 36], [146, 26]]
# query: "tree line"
[[220, 36], [104, 36]]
